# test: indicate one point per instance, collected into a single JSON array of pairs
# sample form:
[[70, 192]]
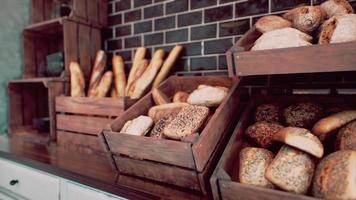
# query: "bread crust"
[[77, 82], [157, 112], [138, 126], [271, 22], [270, 112], [180, 96], [346, 138], [207, 96], [262, 132], [302, 115], [159, 98], [305, 18], [334, 8]]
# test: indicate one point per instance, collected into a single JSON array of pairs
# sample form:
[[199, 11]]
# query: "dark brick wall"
[[207, 28]]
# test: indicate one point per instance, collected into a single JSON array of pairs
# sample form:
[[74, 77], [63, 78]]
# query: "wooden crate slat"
[[37, 7], [92, 10], [41, 49], [29, 56], [165, 151], [103, 10], [95, 39], [84, 53], [80, 8], [70, 38], [54, 89], [48, 9], [15, 106], [69, 139], [90, 106], [29, 94], [82, 124], [160, 172]]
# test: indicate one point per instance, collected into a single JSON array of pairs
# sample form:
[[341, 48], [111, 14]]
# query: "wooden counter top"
[[89, 169]]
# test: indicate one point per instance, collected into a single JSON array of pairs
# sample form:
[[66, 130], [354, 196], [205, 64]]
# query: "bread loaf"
[[335, 176], [270, 112], [346, 138], [291, 170], [253, 165], [138, 126], [77, 82], [329, 125], [271, 23], [118, 67], [141, 68], [344, 29], [301, 139], [157, 112], [159, 98], [139, 55], [157, 131], [97, 71], [180, 96], [207, 96], [104, 85], [282, 38], [188, 121], [336, 8], [262, 132], [302, 115], [305, 18]]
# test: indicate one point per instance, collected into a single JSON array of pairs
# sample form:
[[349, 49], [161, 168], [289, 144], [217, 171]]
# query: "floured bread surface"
[[346, 138], [253, 164], [335, 176], [208, 96], [138, 126], [271, 23], [292, 170], [305, 18], [282, 38], [345, 30], [334, 8], [188, 121]]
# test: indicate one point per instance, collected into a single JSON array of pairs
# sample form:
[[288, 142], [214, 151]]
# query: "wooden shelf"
[[30, 134], [39, 80], [49, 26]]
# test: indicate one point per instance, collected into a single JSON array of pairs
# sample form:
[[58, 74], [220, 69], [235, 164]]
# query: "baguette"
[[167, 65], [118, 67], [77, 82], [148, 76], [180, 97], [139, 55], [301, 139], [113, 93], [97, 71], [159, 98], [104, 85], [140, 70], [157, 112], [328, 125], [138, 126]]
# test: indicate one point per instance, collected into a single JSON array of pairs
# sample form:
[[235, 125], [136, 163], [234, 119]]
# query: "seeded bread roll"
[[188, 121], [329, 125], [262, 132], [157, 131], [338, 29], [138, 126], [271, 23], [271, 112], [302, 115], [291, 170], [346, 138], [301, 139], [336, 8], [157, 112], [207, 96], [335, 176], [305, 18], [253, 164]]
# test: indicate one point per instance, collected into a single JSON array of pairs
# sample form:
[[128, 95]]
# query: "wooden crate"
[[30, 99], [187, 164], [309, 59], [89, 11], [78, 42], [81, 119]]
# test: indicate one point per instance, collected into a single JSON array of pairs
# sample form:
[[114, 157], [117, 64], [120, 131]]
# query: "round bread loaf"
[[338, 29], [302, 115], [305, 18], [346, 138], [336, 8], [253, 165], [271, 112], [271, 23], [262, 132], [335, 176]]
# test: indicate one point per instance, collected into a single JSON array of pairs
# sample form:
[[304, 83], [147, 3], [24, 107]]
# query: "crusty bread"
[[188, 121], [141, 68], [302, 115], [97, 71], [329, 125], [336, 8], [157, 131], [270, 112], [271, 23], [335, 176], [207, 96], [180, 96], [139, 55], [305, 18], [262, 132], [118, 67], [282, 38], [104, 85], [138, 126], [77, 82], [291, 170], [301, 139], [253, 165], [157, 112], [338, 29], [346, 138], [159, 98]]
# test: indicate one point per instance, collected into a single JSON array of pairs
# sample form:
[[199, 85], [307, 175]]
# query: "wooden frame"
[[187, 164]]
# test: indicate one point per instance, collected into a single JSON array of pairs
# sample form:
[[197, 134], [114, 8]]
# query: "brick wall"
[[207, 28]]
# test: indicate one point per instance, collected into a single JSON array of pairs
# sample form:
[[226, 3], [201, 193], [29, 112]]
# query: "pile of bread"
[[182, 117], [142, 76], [331, 22], [298, 134]]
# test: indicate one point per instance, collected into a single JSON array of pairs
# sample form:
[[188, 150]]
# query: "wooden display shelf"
[[33, 99]]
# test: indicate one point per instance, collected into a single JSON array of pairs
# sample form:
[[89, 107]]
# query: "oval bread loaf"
[[207, 96], [305, 18], [271, 22], [338, 29], [336, 8]]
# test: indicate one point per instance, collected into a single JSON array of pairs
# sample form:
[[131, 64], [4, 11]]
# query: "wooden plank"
[[37, 13], [70, 42], [84, 50], [82, 124], [76, 140], [91, 106], [29, 48], [165, 151], [29, 94], [95, 41], [15, 112], [48, 9], [159, 172], [41, 51], [103, 10], [93, 11], [54, 89], [80, 9]]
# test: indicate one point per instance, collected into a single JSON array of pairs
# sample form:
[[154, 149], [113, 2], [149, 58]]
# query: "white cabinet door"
[[27, 182], [77, 192]]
